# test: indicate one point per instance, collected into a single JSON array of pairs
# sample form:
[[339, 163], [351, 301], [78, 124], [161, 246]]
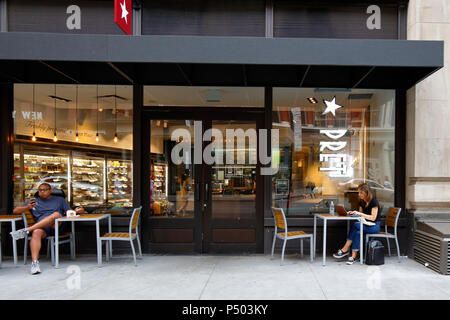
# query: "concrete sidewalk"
[[254, 277]]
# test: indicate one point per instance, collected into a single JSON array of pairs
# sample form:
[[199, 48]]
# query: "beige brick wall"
[[428, 114]]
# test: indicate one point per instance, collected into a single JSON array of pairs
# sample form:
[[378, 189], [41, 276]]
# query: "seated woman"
[[371, 211]]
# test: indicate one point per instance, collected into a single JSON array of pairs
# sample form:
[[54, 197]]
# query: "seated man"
[[45, 209]]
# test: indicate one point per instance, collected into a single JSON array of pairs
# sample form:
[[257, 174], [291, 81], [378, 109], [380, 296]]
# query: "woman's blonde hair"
[[365, 188]]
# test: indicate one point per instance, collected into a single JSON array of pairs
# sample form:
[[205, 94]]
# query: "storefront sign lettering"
[[333, 146], [336, 162], [34, 115], [331, 106], [28, 115]]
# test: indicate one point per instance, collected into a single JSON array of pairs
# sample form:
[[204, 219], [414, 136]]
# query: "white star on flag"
[[124, 11], [331, 106]]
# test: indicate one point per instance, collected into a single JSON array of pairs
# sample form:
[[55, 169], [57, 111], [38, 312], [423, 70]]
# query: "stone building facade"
[[428, 114]]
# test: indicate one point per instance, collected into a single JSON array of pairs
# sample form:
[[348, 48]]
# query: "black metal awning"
[[216, 61]]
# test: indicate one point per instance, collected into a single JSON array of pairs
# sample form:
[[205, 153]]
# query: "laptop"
[[341, 211]]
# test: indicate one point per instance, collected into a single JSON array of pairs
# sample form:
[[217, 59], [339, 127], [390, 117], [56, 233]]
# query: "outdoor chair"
[[281, 223], [132, 234], [66, 237], [392, 222]]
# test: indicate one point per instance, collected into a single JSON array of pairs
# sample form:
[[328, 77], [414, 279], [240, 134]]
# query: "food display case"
[[119, 181], [40, 168], [91, 180], [88, 180], [19, 196], [160, 201], [160, 181]]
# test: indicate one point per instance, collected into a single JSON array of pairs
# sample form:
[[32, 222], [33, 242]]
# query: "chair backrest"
[[55, 192], [134, 222], [280, 218], [392, 217], [28, 219]]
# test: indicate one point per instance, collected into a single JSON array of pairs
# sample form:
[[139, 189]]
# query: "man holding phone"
[[45, 210]]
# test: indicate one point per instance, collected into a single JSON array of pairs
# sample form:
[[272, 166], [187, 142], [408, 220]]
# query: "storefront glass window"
[[82, 145], [331, 140]]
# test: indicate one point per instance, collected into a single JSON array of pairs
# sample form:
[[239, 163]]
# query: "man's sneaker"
[[19, 234], [35, 267], [340, 254], [350, 261]]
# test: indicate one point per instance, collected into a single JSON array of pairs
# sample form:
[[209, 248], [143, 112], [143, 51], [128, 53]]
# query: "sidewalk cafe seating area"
[[280, 232]]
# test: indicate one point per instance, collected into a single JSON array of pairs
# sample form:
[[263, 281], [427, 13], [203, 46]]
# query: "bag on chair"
[[375, 253]]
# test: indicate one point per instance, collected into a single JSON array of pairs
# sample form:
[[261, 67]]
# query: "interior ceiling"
[[284, 98], [87, 96]]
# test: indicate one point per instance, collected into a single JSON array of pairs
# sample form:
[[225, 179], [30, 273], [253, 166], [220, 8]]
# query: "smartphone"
[[32, 201]]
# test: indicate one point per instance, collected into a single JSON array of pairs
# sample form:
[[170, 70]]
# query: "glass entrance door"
[[203, 183], [230, 206], [175, 203]]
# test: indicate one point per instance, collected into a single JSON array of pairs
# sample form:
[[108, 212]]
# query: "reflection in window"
[[234, 181], [331, 141], [171, 183]]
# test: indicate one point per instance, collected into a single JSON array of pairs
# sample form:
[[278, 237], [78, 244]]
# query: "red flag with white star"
[[123, 14]]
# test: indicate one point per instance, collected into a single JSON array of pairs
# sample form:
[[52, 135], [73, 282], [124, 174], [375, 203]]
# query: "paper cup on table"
[[71, 213]]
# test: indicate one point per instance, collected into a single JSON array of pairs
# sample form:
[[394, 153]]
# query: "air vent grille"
[[360, 96], [432, 251]]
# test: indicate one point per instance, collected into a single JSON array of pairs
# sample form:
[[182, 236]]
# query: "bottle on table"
[[332, 208]]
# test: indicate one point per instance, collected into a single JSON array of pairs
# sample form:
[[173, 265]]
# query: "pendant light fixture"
[[55, 138], [34, 120], [96, 136], [115, 114], [76, 115]]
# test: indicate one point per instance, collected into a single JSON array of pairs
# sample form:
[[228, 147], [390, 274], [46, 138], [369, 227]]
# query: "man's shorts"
[[64, 227]]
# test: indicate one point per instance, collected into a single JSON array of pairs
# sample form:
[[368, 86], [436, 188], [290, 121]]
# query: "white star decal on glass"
[[331, 106], [124, 11]]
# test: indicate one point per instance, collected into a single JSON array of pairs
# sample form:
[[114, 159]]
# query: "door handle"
[[206, 196]]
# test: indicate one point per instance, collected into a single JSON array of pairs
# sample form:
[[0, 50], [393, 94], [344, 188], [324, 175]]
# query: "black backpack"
[[375, 253]]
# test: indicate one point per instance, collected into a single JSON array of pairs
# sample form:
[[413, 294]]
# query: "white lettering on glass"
[[336, 163], [33, 115], [334, 134], [332, 145]]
